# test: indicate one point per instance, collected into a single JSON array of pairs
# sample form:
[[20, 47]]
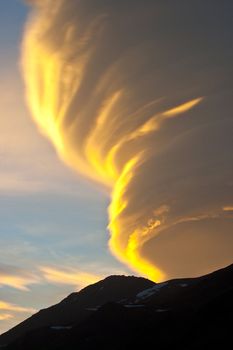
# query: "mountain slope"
[[125, 312], [78, 306]]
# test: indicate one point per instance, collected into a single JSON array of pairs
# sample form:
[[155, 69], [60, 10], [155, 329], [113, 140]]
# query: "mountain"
[[122, 312], [79, 306]]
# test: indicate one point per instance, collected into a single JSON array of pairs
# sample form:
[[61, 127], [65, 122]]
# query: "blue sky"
[[53, 237]]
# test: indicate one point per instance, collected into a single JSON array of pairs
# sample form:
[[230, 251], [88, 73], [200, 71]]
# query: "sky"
[[114, 114], [53, 237]]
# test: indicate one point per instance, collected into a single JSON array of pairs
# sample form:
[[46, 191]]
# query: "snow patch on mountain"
[[150, 291], [134, 306], [60, 328]]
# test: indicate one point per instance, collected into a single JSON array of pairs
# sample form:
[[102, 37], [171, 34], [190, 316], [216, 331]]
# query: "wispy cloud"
[[69, 276], [228, 208], [4, 317], [5, 306], [17, 278], [28, 164]]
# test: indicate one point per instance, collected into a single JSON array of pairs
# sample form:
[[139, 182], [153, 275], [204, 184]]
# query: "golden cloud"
[[14, 277], [4, 316], [69, 276], [5, 306], [140, 101]]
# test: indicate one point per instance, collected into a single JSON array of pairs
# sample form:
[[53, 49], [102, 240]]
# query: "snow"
[[59, 328], [161, 310], [91, 308], [122, 300], [134, 306], [150, 291]]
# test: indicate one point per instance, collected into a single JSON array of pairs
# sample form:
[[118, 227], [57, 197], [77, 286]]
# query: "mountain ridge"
[[56, 314], [132, 306]]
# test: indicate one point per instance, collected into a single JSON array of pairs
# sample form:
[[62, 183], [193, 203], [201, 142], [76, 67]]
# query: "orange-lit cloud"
[[228, 208], [5, 306], [69, 276], [28, 163], [15, 282], [17, 278], [4, 317], [136, 96]]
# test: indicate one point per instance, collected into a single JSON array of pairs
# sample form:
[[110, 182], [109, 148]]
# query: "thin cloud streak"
[[5, 306], [4, 317], [17, 278], [69, 276]]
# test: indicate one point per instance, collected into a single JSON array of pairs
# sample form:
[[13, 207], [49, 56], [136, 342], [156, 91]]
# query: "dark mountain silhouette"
[[124, 312], [80, 305]]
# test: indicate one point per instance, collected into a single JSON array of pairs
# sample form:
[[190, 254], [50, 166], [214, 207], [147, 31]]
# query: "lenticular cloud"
[[137, 95]]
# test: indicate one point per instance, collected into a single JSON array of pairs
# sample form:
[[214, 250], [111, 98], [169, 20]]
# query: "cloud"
[[28, 163], [4, 317], [12, 314], [17, 278], [138, 97], [230, 208], [5, 306], [69, 276]]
